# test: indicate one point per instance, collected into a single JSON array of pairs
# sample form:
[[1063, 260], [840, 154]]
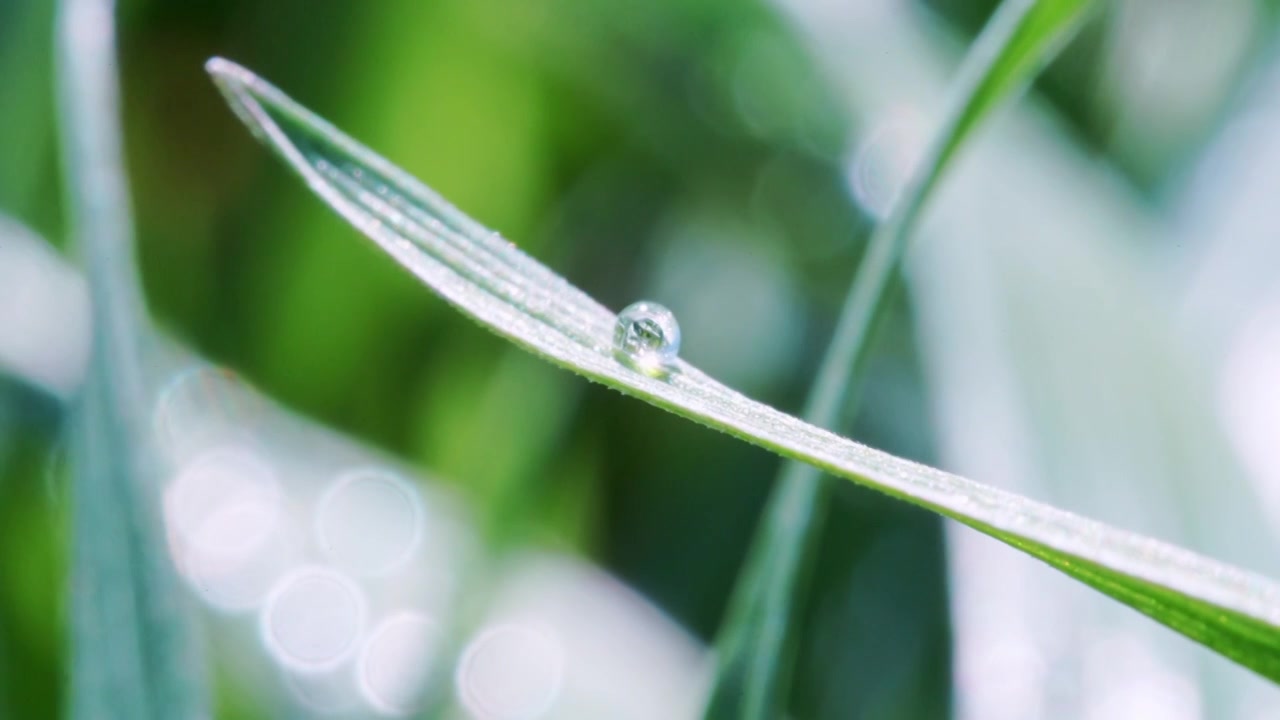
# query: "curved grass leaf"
[[133, 651], [755, 646], [488, 278]]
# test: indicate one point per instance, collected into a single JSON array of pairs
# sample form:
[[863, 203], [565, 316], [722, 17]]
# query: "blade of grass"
[[133, 651], [1233, 611], [756, 645]]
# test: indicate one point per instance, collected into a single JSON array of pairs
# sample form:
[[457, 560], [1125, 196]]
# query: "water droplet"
[[647, 338]]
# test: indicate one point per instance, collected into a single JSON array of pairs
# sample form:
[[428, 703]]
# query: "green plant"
[[754, 653], [1229, 610], [133, 644]]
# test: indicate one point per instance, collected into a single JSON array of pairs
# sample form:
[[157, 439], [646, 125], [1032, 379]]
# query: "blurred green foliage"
[[584, 131], [598, 136]]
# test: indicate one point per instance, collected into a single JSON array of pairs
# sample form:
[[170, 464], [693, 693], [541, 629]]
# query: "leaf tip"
[[223, 69], [241, 88], [234, 80]]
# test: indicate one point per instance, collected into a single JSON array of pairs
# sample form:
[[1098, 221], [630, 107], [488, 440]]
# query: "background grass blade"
[[755, 647], [133, 653], [1230, 610]]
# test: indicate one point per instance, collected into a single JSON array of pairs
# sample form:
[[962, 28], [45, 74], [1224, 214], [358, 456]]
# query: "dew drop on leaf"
[[647, 337]]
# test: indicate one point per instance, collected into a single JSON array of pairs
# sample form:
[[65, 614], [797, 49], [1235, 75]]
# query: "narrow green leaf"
[[133, 650], [756, 646], [489, 279]]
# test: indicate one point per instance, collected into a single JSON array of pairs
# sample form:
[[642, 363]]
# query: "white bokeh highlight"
[[619, 657], [329, 693], [313, 619], [297, 537], [224, 512], [511, 671], [1125, 679], [226, 501], [369, 522], [202, 406], [885, 160], [44, 313], [396, 663], [1249, 401]]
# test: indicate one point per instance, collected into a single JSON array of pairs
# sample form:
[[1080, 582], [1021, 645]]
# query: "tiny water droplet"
[[647, 337]]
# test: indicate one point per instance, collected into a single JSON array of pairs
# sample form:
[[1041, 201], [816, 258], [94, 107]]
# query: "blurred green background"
[[693, 152]]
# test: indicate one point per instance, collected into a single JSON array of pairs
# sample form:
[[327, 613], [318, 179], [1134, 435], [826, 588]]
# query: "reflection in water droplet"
[[511, 672], [647, 337], [395, 663], [313, 619], [370, 521]]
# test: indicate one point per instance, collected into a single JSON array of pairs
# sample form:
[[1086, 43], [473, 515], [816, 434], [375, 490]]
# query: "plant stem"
[[133, 646], [757, 646]]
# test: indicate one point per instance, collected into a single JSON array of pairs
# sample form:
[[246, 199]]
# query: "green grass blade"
[[133, 650], [489, 279], [755, 646]]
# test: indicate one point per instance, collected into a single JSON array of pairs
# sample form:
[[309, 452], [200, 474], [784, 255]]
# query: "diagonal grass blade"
[[488, 278]]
